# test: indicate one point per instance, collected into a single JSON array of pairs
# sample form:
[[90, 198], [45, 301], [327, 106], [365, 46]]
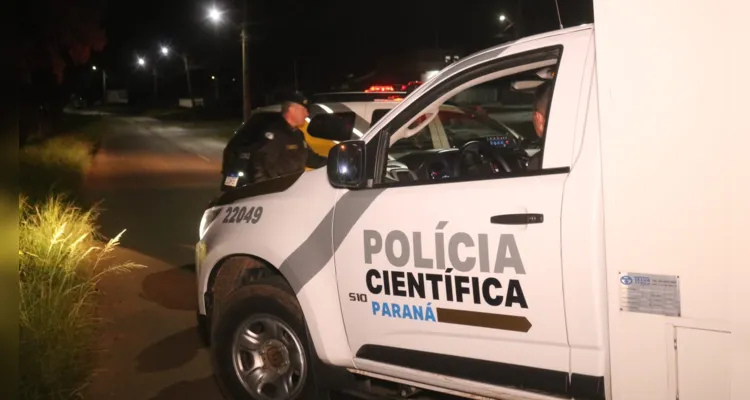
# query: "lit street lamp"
[[216, 86], [165, 51], [214, 15], [142, 64], [505, 23], [104, 83]]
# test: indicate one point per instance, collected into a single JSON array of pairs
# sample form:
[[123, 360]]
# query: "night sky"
[[329, 39]]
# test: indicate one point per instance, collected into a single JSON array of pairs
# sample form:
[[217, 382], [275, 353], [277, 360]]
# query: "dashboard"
[[502, 141], [441, 164]]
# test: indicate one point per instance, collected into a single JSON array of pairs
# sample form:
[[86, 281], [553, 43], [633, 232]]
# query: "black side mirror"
[[330, 127], [346, 165]]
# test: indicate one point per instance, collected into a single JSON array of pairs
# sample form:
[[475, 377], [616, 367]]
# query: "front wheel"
[[259, 346]]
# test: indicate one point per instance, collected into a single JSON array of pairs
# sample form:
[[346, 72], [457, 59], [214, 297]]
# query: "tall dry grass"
[[61, 262], [57, 165]]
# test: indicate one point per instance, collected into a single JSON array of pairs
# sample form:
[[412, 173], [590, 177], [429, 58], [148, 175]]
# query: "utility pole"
[[437, 25], [104, 86], [156, 85], [519, 21], [190, 85], [246, 107]]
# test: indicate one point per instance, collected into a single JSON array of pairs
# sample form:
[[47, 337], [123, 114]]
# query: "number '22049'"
[[235, 215]]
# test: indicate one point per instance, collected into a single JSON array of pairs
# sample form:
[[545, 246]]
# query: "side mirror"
[[330, 127], [346, 165]]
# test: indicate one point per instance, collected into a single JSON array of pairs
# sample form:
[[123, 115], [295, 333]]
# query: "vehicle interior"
[[484, 130]]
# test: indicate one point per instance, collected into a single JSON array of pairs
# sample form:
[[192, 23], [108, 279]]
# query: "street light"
[[164, 50], [214, 15], [141, 61], [506, 23], [216, 86], [104, 83]]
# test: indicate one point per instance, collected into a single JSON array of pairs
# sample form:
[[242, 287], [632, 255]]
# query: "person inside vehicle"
[[283, 149], [542, 98]]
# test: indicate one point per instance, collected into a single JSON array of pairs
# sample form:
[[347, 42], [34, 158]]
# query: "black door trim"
[[517, 219], [558, 383]]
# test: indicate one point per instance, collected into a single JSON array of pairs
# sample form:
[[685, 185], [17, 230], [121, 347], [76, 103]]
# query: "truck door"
[[457, 271]]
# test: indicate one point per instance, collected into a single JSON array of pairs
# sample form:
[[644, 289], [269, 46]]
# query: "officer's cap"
[[297, 98]]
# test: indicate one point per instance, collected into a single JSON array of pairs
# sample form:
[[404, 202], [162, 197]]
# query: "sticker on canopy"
[[650, 294], [231, 180]]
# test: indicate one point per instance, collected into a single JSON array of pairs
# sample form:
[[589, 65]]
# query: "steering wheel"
[[477, 155]]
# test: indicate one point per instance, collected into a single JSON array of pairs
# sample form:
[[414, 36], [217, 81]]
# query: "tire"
[[270, 305], [230, 277], [204, 330]]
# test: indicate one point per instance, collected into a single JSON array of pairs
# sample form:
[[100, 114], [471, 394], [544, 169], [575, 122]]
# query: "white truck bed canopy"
[[672, 91]]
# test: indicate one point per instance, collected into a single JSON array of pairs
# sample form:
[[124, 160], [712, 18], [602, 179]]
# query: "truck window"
[[377, 114], [492, 129], [347, 116], [420, 141]]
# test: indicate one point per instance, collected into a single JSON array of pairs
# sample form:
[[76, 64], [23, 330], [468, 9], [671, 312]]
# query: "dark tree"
[[53, 36]]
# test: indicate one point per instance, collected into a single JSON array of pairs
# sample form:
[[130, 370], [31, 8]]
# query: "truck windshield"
[[463, 124]]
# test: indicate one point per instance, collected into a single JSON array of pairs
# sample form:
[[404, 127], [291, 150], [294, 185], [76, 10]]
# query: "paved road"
[[153, 180]]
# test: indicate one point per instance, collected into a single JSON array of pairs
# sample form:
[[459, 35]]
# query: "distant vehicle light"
[[379, 88]]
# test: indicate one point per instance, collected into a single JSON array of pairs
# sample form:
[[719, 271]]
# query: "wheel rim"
[[268, 358]]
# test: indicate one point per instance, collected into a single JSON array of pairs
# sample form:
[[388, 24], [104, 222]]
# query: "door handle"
[[517, 219]]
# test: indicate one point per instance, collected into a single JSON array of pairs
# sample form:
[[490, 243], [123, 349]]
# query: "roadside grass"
[[61, 263], [78, 122], [61, 260], [58, 165]]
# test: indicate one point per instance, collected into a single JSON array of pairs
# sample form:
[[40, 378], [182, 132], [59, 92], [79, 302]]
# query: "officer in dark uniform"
[[283, 150]]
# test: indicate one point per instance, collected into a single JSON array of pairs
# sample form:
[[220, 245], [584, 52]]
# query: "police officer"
[[542, 98], [283, 149]]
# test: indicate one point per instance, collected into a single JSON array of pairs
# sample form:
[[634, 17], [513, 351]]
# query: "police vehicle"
[[358, 110], [418, 266]]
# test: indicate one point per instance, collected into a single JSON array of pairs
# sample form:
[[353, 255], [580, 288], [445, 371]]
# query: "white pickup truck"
[[443, 256]]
